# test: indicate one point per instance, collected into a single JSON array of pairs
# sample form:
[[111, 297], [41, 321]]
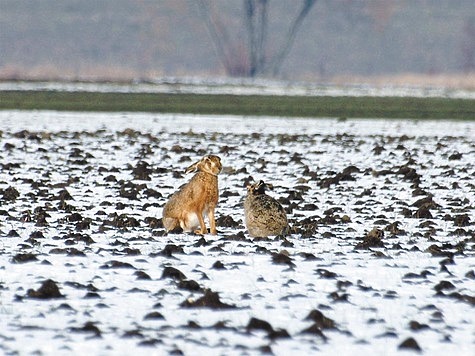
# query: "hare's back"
[[264, 205], [264, 216]]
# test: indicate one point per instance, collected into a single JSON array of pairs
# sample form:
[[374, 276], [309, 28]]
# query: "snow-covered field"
[[381, 259], [244, 87]]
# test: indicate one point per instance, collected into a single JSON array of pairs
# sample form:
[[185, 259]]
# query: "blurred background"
[[406, 42]]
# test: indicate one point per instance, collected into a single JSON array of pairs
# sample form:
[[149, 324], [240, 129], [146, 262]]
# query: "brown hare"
[[264, 215], [187, 207]]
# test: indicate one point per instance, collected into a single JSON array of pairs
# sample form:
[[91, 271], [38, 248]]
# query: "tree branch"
[[217, 34], [249, 14], [262, 36], [285, 49]]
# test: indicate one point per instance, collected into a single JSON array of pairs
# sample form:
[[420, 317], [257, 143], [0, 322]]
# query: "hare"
[[187, 207], [264, 215]]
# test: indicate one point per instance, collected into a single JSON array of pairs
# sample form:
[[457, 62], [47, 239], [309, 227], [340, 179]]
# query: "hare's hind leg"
[[169, 223], [212, 221]]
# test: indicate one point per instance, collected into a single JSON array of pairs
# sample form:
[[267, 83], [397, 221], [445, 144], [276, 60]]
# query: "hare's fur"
[[187, 207], [264, 215]]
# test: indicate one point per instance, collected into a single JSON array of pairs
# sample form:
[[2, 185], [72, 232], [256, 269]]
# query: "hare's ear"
[[261, 186], [192, 168]]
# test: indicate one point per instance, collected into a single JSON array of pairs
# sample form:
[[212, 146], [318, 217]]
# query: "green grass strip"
[[290, 106]]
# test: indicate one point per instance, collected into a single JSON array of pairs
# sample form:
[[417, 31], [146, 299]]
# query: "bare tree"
[[255, 61], [256, 23]]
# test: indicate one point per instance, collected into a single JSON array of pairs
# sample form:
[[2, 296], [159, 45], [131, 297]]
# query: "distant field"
[[292, 106]]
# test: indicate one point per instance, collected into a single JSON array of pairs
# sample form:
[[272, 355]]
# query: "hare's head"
[[210, 164], [258, 188]]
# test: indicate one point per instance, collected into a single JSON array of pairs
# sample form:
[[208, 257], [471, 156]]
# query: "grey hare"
[[263, 214]]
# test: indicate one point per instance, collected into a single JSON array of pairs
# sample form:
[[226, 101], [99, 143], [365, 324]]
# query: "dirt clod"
[[48, 290]]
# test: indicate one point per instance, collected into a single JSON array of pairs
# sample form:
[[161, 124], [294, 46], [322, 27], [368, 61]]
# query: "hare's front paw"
[[201, 232]]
